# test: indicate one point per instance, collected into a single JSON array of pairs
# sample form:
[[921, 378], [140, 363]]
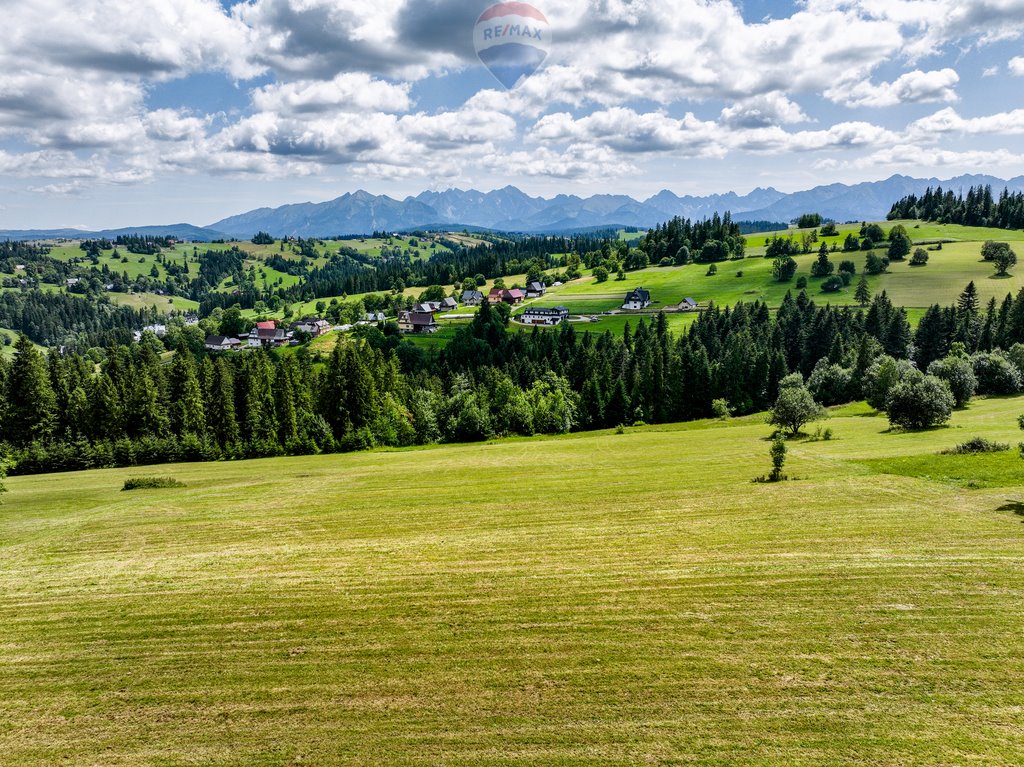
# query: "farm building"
[[538, 316], [504, 295], [687, 305], [268, 338], [312, 327], [448, 305], [416, 322], [638, 298], [221, 343], [535, 290]]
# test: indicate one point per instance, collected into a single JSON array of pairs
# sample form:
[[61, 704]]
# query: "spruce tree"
[[618, 408], [148, 417], [31, 405], [968, 302], [863, 292], [287, 420], [188, 414], [221, 405]]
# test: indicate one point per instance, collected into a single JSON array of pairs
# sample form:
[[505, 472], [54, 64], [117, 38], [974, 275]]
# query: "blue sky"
[[159, 111]]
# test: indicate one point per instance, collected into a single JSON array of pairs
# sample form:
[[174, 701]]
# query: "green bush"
[[150, 483], [920, 403], [977, 445]]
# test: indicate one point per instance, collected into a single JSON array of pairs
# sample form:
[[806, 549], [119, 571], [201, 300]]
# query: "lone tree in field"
[[1001, 255], [920, 403], [783, 268], [778, 453], [899, 243], [875, 264], [794, 408], [863, 292], [822, 267], [920, 257]]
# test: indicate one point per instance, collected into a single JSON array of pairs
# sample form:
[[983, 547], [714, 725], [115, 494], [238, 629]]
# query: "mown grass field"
[[614, 599]]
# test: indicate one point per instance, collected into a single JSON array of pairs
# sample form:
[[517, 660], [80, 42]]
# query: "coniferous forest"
[[978, 208], [65, 412]]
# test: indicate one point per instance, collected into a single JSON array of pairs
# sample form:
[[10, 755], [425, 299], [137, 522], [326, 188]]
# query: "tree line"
[[977, 208], [66, 411]]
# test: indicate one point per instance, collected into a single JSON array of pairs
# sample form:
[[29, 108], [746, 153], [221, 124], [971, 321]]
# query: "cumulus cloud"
[[916, 156], [763, 111], [320, 38], [625, 130], [346, 92], [949, 121], [849, 135], [915, 87], [576, 162], [340, 82], [932, 24]]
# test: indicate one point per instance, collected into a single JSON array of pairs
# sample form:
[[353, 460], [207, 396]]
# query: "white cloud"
[[932, 24], [624, 130], [347, 92], [345, 75], [577, 162], [850, 135], [763, 111], [915, 87], [916, 156], [948, 121]]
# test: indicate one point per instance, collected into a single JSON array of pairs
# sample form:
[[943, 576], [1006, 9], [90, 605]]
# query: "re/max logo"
[[512, 30]]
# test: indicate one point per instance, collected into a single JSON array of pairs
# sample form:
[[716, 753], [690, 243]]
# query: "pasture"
[[599, 598], [915, 287]]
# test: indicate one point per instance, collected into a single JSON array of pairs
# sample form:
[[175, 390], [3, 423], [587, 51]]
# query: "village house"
[[159, 330], [448, 305], [539, 316], [375, 317], [222, 344], [687, 305], [472, 298], [267, 338], [311, 327], [416, 322], [638, 298], [505, 295], [535, 290]]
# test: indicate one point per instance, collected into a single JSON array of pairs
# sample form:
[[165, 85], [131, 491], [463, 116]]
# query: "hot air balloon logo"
[[512, 40]]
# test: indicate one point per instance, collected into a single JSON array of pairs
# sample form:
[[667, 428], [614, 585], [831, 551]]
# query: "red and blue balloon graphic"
[[512, 40]]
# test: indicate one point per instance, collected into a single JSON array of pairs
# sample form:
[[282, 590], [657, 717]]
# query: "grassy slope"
[[613, 599], [941, 281]]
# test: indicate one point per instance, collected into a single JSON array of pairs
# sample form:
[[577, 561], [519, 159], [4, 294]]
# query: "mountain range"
[[511, 210]]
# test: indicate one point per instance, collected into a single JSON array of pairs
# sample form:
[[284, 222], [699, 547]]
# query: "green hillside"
[[604, 598]]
